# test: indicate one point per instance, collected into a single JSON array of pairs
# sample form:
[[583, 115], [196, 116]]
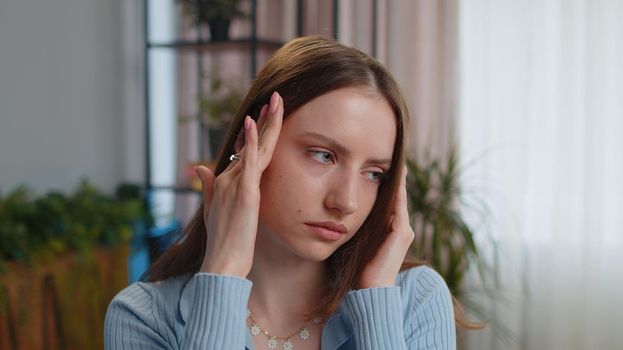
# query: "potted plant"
[[439, 206], [217, 14], [215, 111], [218, 108], [438, 209], [62, 259]]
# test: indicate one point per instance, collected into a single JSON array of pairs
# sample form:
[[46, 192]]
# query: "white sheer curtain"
[[541, 108]]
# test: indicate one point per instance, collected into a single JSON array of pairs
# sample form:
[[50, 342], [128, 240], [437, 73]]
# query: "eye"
[[323, 156], [376, 176]]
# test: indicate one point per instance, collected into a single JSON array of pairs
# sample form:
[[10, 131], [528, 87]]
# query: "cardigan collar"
[[336, 331]]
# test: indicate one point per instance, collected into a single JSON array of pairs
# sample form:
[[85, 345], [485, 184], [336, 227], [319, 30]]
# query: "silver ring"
[[234, 157]]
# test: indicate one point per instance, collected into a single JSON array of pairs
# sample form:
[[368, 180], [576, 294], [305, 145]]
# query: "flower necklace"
[[271, 340]]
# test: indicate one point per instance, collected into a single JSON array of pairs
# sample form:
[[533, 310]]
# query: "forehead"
[[357, 118]]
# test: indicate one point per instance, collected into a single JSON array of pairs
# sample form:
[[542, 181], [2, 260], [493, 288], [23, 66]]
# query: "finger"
[[272, 130], [401, 211], [239, 141], [261, 120], [249, 176], [233, 164], [207, 184]]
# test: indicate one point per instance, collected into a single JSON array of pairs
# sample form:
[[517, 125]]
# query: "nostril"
[[344, 206], [342, 197]]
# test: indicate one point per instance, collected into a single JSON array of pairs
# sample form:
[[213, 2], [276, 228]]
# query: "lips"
[[328, 231], [329, 225]]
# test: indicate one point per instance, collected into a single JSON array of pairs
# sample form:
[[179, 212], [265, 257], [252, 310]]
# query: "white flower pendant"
[[271, 343], [255, 329], [287, 345], [304, 334]]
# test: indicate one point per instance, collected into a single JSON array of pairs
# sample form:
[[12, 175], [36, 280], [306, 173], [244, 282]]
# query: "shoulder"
[[158, 314], [420, 286], [144, 302], [141, 295], [135, 298], [422, 282]]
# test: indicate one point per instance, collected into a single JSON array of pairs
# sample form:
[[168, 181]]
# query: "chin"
[[316, 251]]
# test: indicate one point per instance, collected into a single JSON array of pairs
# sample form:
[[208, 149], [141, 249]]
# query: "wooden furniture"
[[60, 302]]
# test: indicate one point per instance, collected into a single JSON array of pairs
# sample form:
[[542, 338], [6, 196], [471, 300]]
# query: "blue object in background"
[[147, 244], [138, 262]]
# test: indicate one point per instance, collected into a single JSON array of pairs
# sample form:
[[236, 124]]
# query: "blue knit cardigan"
[[208, 311]]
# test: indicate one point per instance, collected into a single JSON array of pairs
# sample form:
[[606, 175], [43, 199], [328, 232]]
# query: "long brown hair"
[[300, 71]]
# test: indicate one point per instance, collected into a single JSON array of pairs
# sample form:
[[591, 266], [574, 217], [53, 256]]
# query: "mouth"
[[327, 230]]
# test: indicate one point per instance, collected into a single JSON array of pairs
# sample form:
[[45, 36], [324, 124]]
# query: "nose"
[[342, 195]]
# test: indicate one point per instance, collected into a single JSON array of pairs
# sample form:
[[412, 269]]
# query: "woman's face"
[[325, 172]]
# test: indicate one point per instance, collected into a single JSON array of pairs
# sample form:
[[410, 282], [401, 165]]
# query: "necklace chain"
[[271, 340]]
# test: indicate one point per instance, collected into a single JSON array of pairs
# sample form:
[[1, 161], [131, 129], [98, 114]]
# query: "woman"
[[304, 226]]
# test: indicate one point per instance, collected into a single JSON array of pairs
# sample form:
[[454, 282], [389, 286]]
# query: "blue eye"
[[376, 176], [323, 156]]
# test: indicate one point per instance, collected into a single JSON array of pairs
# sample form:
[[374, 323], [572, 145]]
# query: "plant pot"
[[219, 29]]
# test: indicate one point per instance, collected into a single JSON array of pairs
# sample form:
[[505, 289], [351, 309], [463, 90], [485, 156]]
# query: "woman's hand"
[[232, 199], [384, 267]]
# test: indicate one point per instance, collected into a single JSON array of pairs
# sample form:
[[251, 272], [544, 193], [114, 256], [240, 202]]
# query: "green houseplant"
[[222, 101], [214, 112], [217, 14], [36, 227], [438, 208], [62, 259], [216, 109]]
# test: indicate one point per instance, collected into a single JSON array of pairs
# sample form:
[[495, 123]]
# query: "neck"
[[285, 286]]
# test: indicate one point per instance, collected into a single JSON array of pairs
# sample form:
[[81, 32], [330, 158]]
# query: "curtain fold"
[[540, 101]]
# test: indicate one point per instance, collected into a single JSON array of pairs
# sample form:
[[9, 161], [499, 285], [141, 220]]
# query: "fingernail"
[[247, 123], [196, 169], [274, 99]]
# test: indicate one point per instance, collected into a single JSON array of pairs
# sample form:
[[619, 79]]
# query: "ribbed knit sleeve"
[[216, 316], [130, 323], [430, 322], [217, 319], [415, 314], [376, 317]]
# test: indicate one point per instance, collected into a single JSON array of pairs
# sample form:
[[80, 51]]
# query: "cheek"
[[285, 192], [367, 199], [371, 200]]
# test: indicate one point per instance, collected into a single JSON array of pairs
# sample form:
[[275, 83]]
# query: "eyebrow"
[[341, 148]]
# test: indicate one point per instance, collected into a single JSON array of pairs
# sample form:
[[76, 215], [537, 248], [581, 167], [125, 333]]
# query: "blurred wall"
[[62, 101]]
